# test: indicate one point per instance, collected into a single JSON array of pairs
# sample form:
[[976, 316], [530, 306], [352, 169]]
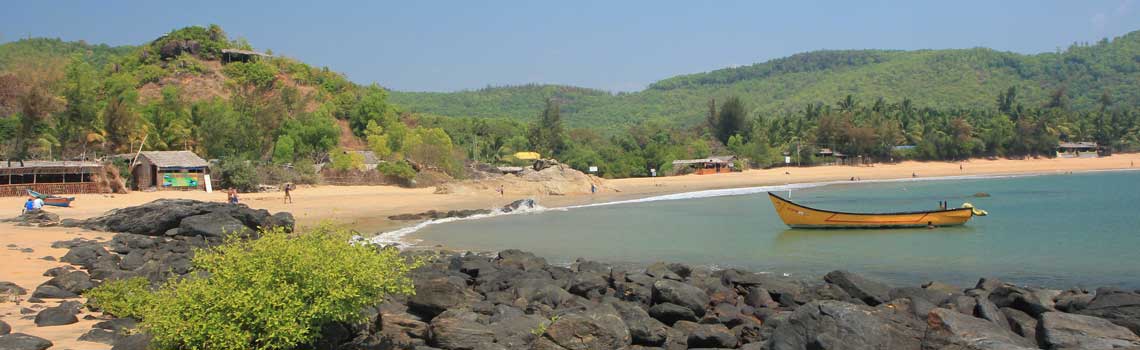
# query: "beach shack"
[[235, 55], [830, 156], [1078, 150], [705, 166], [169, 170], [48, 176]]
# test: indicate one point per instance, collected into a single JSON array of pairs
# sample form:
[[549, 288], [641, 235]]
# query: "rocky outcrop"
[[169, 217], [21, 341], [1058, 330], [1120, 307]]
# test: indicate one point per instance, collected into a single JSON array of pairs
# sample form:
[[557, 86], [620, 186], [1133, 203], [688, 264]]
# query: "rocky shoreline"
[[516, 300]]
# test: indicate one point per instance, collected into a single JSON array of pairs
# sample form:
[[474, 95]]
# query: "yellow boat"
[[799, 216]]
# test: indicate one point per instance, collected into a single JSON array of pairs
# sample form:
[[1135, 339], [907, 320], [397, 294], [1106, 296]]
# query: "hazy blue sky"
[[612, 45]]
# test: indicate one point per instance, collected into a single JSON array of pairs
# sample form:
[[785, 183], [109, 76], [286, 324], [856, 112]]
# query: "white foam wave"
[[396, 237]]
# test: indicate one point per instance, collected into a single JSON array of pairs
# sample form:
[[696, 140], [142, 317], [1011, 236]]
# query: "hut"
[[830, 156], [47, 176], [704, 166], [234, 55], [169, 170], [1078, 150]]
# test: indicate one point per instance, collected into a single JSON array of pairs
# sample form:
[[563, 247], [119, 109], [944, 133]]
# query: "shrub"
[[275, 292], [343, 160], [122, 298], [306, 171], [240, 174], [149, 74], [399, 169], [258, 74]]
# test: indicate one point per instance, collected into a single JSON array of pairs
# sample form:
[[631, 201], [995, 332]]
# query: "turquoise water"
[[1050, 230]]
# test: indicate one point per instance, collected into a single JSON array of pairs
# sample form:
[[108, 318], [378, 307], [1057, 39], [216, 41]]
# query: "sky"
[[611, 45]]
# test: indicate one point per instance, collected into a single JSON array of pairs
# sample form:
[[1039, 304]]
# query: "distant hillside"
[[43, 48], [962, 78]]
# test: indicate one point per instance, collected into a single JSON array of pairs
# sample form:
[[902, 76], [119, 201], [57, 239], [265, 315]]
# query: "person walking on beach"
[[913, 174], [593, 188], [288, 197], [501, 191]]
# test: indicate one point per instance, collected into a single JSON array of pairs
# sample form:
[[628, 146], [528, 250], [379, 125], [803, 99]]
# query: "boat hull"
[[799, 216]]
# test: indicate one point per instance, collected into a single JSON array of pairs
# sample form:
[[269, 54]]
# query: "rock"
[[56, 271], [963, 304], [214, 224], [36, 217], [56, 316], [101, 336], [521, 204], [643, 329], [871, 292], [5, 328], [123, 325], [283, 220], [513, 258], [668, 291], [21, 341], [709, 336], [48, 258], [436, 295], [581, 331], [9, 288], [1032, 302], [454, 329], [1073, 301], [45, 291], [975, 332], [758, 297], [72, 243], [139, 341], [669, 313], [1121, 308], [988, 284], [986, 310], [660, 270], [402, 329], [75, 282], [1059, 330], [85, 255], [159, 216], [582, 283], [1021, 323], [830, 324], [931, 295]]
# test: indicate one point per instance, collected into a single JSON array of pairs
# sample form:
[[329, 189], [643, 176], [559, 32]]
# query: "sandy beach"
[[366, 209]]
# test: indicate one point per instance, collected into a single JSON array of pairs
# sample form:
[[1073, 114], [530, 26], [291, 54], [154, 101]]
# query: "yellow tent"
[[527, 155]]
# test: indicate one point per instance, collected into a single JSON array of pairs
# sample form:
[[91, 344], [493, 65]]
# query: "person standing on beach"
[[288, 197], [501, 191], [593, 188]]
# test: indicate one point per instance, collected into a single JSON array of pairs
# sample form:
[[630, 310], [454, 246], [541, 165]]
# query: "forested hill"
[[38, 49], [946, 79]]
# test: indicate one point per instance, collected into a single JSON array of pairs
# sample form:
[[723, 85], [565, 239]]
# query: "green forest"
[[259, 114]]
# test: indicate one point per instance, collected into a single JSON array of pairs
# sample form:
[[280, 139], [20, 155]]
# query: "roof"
[[245, 52], [714, 159], [48, 164], [1077, 145], [175, 159]]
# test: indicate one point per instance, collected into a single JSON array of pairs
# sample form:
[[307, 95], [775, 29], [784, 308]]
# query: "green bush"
[[258, 74], [240, 174], [399, 169], [275, 292], [122, 298], [149, 74]]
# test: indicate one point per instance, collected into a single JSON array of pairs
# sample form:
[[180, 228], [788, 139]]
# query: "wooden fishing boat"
[[52, 200], [800, 216]]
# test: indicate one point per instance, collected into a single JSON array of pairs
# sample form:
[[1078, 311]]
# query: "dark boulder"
[[138, 341], [669, 313], [56, 271], [838, 325], [85, 255], [643, 329], [1073, 301], [517, 259], [931, 295], [5, 328], [56, 316], [759, 297], [21, 341], [101, 336], [660, 270], [1059, 330], [588, 331], [582, 283], [455, 329], [436, 295], [1021, 323], [669, 291], [708, 335], [1122, 308], [975, 332], [45, 291], [124, 325], [213, 224], [521, 204], [157, 217], [869, 291], [9, 288], [75, 282], [986, 310], [1033, 302]]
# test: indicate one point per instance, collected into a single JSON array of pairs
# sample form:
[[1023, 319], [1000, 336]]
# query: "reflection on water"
[[794, 236]]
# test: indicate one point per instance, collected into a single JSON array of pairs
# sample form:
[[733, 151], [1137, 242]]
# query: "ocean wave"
[[397, 237]]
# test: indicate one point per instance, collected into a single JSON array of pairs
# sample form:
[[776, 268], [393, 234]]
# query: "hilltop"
[[945, 79]]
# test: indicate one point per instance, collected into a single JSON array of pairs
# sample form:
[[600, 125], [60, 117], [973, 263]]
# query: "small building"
[[235, 55], [169, 170], [48, 176], [1078, 150], [710, 165], [831, 157]]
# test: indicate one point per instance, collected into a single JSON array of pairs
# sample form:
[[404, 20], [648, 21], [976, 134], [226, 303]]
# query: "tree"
[[546, 134], [433, 147], [120, 119], [731, 119], [377, 140], [372, 106], [77, 121], [284, 150]]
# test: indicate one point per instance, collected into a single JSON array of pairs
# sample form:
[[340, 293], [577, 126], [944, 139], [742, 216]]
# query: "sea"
[[1056, 231]]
